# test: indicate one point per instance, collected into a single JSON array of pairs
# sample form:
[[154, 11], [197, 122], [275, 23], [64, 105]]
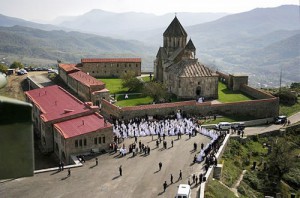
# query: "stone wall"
[[255, 93], [111, 69], [223, 77], [257, 109], [109, 110], [207, 86]]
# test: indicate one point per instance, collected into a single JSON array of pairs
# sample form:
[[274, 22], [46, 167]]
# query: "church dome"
[[175, 29]]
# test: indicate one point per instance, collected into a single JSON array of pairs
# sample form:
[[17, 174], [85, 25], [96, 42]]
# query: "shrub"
[[286, 97]]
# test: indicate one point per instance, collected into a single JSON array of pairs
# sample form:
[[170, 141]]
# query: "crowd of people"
[[144, 127]]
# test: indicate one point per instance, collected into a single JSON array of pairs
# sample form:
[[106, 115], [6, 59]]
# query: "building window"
[[84, 142], [117, 65], [93, 71], [105, 72], [104, 65], [80, 142], [129, 65], [99, 140], [125, 71], [76, 143], [136, 65], [103, 138], [95, 140]]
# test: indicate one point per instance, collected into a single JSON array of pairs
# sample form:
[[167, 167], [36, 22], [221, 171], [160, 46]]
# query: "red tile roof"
[[55, 102], [111, 60], [68, 67], [86, 79], [81, 126]]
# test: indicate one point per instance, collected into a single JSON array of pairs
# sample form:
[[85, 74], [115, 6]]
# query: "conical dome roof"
[[175, 29], [190, 45]]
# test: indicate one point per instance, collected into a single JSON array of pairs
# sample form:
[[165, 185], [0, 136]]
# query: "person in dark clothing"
[[180, 175], [171, 179], [120, 170], [165, 186], [159, 165]]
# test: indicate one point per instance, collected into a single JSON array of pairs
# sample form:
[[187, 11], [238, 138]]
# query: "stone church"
[[178, 68]]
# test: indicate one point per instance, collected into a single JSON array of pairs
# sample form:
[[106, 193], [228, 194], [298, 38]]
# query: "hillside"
[[66, 46], [6, 21], [122, 25], [258, 42]]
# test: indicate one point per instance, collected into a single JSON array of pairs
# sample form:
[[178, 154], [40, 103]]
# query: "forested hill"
[[66, 46]]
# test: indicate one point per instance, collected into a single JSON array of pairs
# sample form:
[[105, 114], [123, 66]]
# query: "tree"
[[157, 91], [16, 65], [3, 68], [281, 159], [131, 82], [287, 97]]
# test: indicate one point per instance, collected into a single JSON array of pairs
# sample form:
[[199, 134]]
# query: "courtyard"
[[141, 176]]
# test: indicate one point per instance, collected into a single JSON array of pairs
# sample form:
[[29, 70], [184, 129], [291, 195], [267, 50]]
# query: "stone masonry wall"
[[257, 109], [255, 93]]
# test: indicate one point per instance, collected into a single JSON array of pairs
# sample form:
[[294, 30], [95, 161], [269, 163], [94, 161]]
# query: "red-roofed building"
[[110, 67], [65, 69], [81, 135], [87, 87], [52, 105]]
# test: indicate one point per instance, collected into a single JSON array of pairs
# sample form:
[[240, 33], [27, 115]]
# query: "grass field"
[[215, 190], [289, 110], [114, 85], [133, 100], [227, 95]]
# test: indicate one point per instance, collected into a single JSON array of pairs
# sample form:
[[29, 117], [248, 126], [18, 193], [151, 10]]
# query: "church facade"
[[177, 67]]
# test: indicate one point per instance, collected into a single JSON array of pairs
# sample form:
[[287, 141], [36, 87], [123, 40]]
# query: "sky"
[[47, 10]]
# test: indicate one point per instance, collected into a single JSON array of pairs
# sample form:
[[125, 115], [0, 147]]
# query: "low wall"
[[209, 172], [162, 109], [223, 76], [257, 109], [255, 93], [108, 109]]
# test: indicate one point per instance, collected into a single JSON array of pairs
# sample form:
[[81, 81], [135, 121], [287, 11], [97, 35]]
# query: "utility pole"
[[280, 79]]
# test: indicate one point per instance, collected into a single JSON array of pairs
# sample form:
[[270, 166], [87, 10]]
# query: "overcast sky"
[[46, 10]]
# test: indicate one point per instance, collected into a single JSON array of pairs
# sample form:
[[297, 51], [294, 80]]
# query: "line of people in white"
[[169, 127]]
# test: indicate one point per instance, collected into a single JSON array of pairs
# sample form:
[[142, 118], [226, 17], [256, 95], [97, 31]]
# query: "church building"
[[178, 68]]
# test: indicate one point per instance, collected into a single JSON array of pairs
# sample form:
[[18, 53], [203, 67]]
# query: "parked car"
[[238, 125], [281, 119], [184, 191], [224, 126], [210, 126]]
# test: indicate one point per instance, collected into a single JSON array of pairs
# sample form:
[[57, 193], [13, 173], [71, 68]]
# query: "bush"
[[286, 97], [252, 180]]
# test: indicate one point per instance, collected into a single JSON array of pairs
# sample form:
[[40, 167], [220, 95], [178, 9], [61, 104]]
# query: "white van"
[[210, 126], [224, 126], [184, 191]]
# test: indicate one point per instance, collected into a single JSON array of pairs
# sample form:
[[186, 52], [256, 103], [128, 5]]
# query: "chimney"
[[82, 122]]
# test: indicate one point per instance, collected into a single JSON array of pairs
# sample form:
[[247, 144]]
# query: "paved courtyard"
[[141, 176]]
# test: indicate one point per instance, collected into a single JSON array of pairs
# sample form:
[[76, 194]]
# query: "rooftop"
[[86, 79], [82, 125], [55, 102], [175, 29], [190, 68], [68, 67], [111, 60]]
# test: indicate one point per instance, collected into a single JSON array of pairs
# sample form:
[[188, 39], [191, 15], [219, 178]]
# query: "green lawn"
[[215, 190], [114, 85], [146, 79], [133, 100], [227, 95], [289, 110]]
